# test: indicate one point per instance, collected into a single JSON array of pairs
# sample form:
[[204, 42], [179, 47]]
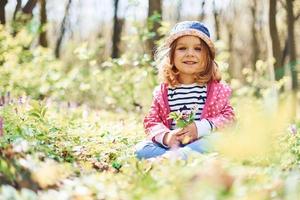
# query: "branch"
[[18, 7], [29, 6]]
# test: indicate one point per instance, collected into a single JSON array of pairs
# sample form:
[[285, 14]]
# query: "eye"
[[181, 48], [198, 48]]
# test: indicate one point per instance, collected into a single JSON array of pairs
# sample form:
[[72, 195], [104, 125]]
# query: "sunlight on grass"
[[255, 135]]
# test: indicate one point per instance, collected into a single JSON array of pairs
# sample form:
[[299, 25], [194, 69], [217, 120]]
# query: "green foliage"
[[290, 145], [36, 133], [182, 119], [47, 145], [115, 83]]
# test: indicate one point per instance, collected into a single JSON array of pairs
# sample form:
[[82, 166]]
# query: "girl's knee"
[[141, 150], [147, 149], [200, 145]]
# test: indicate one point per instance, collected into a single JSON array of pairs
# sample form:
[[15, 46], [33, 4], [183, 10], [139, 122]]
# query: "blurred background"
[[100, 52], [76, 79]]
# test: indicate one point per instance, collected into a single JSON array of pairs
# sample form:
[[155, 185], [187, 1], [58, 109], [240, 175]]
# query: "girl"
[[191, 80]]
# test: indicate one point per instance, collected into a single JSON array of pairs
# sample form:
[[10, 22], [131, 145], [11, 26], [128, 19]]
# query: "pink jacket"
[[217, 109]]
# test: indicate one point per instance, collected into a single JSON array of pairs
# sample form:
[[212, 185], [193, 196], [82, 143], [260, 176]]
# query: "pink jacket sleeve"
[[221, 113], [153, 122]]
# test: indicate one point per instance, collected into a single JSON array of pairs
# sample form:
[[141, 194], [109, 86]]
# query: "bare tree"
[[217, 20], [202, 14], [29, 6], [254, 42], [275, 40], [2, 11], [17, 9], [228, 18], [230, 29], [117, 31], [291, 42], [178, 12], [155, 7], [62, 30], [43, 18], [292, 52]]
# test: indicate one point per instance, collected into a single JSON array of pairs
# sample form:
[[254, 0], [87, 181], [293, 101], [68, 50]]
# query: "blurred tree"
[[17, 9], [230, 29], [217, 20], [2, 11], [254, 41], [154, 9], [291, 42], [202, 13], [62, 29], [19, 21], [117, 31], [178, 12], [228, 18], [276, 50], [29, 6], [43, 17]]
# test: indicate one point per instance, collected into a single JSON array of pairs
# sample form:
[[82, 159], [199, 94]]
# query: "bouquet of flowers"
[[183, 118]]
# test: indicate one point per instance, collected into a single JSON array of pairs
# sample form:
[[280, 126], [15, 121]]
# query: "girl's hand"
[[170, 139], [188, 135]]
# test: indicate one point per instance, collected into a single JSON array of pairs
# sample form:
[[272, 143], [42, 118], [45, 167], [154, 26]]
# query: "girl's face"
[[189, 55]]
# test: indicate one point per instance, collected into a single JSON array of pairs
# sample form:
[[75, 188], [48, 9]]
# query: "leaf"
[[116, 165], [181, 124]]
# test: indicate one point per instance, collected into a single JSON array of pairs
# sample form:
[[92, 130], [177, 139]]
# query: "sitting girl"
[[190, 79]]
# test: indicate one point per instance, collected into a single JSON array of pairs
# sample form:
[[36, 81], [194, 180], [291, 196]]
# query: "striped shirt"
[[186, 96]]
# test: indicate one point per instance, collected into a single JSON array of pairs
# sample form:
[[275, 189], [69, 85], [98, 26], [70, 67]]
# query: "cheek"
[[203, 61], [177, 55], [202, 66]]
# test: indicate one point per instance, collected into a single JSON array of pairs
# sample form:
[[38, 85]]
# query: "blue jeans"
[[148, 149]]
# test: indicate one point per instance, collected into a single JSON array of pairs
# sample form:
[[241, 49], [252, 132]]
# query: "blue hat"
[[193, 28]]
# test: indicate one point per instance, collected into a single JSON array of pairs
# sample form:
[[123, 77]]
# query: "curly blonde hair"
[[168, 73]]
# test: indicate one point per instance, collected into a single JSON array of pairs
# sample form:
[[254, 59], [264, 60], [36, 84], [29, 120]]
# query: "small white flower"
[[292, 129]]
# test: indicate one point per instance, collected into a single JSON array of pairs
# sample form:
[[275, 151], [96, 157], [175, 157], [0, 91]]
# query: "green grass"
[[79, 153]]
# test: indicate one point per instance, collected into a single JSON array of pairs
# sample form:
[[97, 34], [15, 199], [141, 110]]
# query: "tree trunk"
[[155, 6], [28, 8], [217, 21], [231, 69], [2, 11], [43, 17], [17, 9], [117, 30], [202, 14], [178, 12], [231, 14], [279, 70], [62, 30], [291, 43], [255, 47]]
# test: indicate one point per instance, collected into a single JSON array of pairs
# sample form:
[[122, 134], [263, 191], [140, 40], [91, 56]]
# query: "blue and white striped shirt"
[[185, 97]]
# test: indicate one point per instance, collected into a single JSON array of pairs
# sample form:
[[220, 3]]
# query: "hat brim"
[[192, 32]]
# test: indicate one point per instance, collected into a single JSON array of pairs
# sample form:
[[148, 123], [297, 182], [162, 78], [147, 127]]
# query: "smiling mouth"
[[189, 62]]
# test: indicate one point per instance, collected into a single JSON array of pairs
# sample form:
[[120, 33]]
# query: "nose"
[[190, 52]]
